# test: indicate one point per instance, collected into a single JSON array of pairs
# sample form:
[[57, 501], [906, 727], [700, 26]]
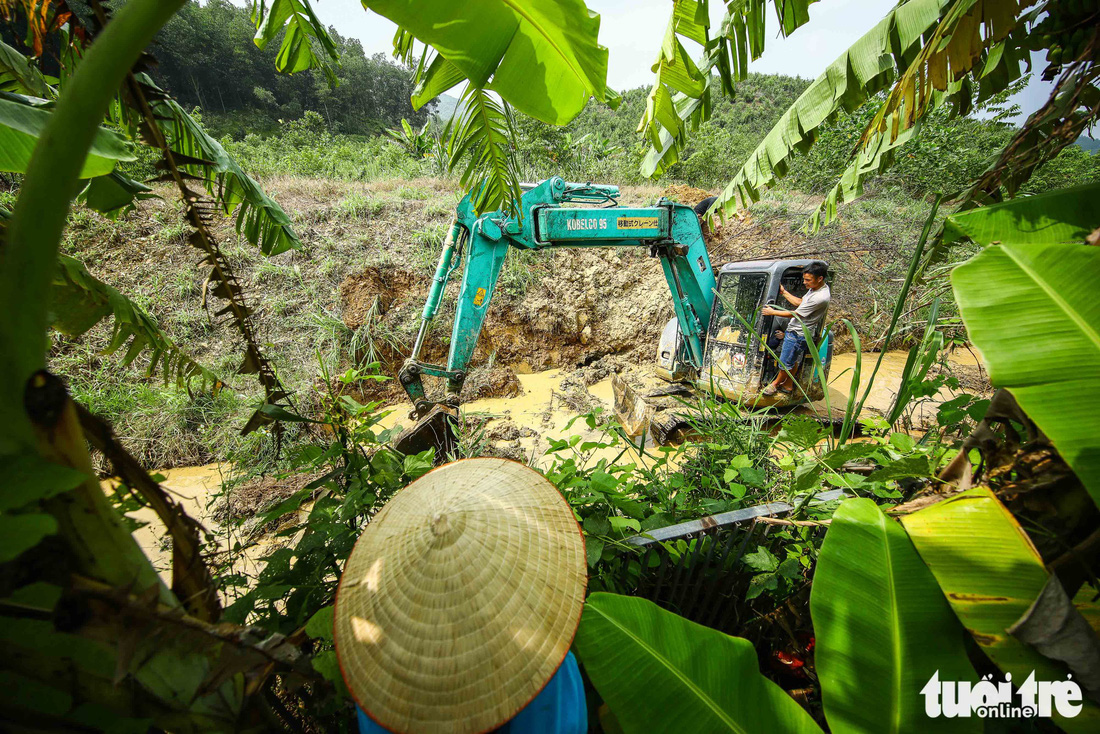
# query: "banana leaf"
[[440, 76], [680, 98], [867, 67], [659, 672], [1061, 216], [24, 119], [541, 56], [300, 28], [260, 219], [19, 75], [1032, 311], [991, 573], [883, 628], [114, 194]]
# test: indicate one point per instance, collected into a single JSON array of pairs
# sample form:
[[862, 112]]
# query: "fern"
[[483, 136]]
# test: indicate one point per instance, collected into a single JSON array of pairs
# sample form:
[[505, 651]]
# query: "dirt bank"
[[354, 292]]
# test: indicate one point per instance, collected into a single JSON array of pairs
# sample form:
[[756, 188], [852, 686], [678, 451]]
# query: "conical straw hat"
[[461, 598]]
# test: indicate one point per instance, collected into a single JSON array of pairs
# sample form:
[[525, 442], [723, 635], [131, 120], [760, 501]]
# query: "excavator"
[[716, 343]]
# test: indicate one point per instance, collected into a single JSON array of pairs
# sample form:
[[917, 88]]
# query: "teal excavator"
[[707, 346]]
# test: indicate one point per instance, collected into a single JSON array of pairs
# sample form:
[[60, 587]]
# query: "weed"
[[430, 236], [357, 206], [413, 193], [522, 270]]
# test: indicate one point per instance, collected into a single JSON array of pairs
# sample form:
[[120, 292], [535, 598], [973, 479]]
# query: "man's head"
[[813, 275]]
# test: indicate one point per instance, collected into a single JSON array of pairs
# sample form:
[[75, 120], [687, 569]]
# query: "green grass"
[[160, 424]]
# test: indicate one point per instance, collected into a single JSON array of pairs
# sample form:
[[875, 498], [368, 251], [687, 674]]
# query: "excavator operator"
[[808, 314]]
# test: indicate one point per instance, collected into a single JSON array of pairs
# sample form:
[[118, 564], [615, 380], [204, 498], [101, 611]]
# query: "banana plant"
[[991, 575], [680, 98], [1026, 288], [882, 626], [923, 54], [541, 57], [181, 672], [415, 142]]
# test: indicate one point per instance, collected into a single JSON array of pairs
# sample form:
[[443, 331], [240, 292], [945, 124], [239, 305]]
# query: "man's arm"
[[768, 311], [794, 300]]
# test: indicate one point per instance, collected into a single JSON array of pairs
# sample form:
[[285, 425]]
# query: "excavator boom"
[[551, 215]]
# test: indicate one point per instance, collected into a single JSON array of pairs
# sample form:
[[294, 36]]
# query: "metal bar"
[[725, 518]]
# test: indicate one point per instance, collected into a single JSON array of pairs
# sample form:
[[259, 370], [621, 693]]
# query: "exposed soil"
[[355, 291]]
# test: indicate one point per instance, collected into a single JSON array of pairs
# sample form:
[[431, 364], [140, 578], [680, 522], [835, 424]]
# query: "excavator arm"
[[549, 218]]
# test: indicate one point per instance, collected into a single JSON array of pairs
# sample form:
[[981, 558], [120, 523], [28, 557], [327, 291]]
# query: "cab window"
[[739, 294]]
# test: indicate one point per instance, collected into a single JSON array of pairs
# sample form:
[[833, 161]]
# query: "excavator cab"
[[742, 347], [740, 355]]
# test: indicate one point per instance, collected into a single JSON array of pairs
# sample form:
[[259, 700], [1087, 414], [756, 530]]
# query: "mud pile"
[[585, 304]]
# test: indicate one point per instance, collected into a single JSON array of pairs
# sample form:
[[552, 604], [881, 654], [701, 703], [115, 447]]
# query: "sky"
[[632, 31]]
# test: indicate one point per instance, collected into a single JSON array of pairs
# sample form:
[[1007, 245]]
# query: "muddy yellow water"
[[542, 410], [886, 383], [195, 489]]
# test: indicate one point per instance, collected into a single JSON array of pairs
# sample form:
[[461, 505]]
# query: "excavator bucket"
[[433, 431], [659, 413]]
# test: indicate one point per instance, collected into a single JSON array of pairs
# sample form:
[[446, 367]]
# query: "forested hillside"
[[207, 59]]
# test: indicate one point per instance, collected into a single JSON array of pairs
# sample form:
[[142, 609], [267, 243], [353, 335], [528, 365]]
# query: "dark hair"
[[817, 269], [701, 212], [707, 203]]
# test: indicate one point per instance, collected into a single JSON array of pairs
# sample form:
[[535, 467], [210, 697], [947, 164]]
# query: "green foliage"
[[322, 155], [658, 672], [206, 57], [883, 627], [80, 301], [300, 30], [1041, 300], [680, 100], [990, 573], [540, 56], [259, 218], [415, 142], [481, 144], [22, 123], [352, 474]]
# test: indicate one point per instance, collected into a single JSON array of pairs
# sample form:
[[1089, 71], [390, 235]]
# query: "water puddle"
[[543, 412], [193, 487]]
